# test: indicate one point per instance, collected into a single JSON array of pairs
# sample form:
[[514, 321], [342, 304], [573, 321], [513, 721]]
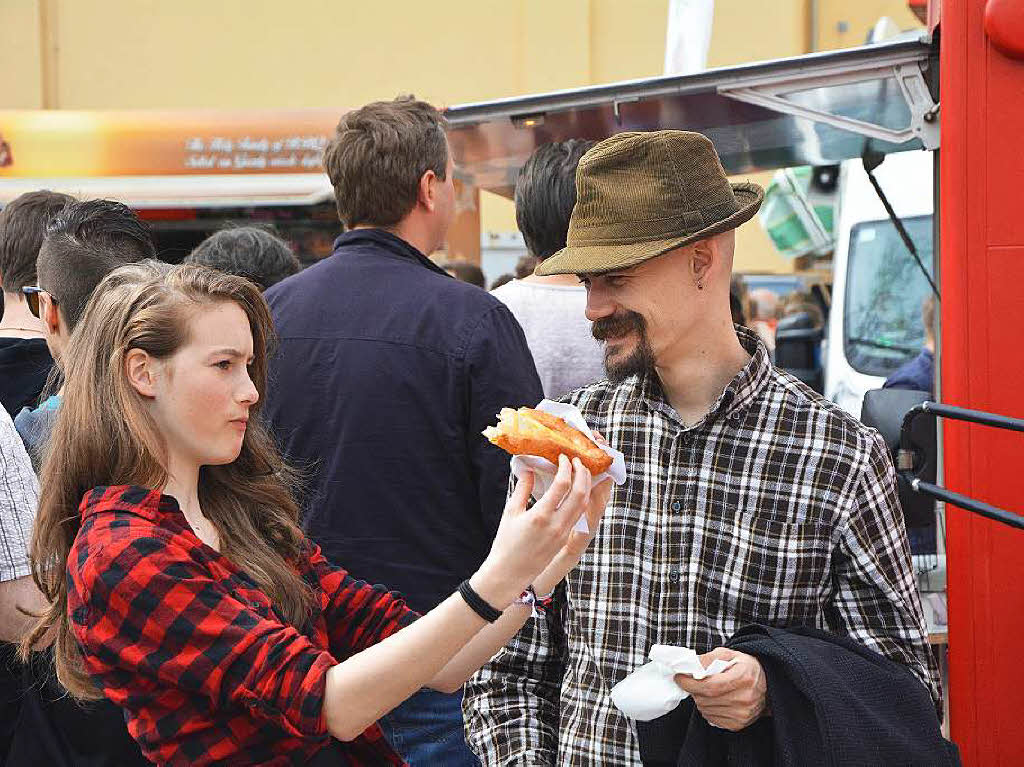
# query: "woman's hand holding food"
[[577, 542], [529, 539]]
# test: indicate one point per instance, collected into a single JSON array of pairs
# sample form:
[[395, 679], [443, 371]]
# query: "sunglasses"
[[31, 293]]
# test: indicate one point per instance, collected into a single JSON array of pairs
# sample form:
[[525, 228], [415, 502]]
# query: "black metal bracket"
[[908, 458]]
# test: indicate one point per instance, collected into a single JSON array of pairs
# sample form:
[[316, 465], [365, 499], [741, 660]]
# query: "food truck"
[[954, 94]]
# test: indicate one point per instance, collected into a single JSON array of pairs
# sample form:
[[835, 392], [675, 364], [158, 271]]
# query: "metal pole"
[[905, 458], [965, 502]]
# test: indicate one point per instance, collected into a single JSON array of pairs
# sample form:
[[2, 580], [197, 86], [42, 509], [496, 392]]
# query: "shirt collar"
[[741, 392], [389, 242], [141, 501], [734, 400]]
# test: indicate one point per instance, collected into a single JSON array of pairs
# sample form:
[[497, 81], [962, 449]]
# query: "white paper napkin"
[[651, 690], [544, 471]]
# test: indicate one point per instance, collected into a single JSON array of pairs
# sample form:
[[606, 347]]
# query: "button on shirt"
[[776, 508]]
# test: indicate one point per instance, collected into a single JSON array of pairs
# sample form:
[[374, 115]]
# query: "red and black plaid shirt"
[[195, 653]]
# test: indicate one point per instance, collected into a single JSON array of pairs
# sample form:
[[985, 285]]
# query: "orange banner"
[[62, 144]]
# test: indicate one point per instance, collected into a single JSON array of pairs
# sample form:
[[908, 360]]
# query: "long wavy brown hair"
[[103, 435]]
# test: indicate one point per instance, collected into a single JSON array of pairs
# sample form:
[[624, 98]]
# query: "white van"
[[875, 325]]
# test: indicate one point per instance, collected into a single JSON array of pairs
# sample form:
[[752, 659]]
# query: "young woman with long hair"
[[180, 584]]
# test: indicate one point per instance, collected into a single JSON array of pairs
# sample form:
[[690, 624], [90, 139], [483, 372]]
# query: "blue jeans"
[[427, 731]]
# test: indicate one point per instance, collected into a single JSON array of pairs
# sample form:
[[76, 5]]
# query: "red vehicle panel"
[[982, 273]]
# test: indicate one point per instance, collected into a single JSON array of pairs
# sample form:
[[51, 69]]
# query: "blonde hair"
[[103, 435]]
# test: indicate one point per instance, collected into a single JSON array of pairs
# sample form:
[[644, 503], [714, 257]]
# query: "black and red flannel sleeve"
[[357, 614], [146, 612]]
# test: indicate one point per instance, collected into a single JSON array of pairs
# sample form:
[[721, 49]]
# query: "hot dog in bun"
[[533, 432]]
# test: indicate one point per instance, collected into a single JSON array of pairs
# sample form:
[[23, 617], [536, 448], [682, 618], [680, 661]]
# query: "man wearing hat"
[[749, 498]]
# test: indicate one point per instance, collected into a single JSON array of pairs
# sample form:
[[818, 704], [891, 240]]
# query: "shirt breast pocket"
[[778, 570]]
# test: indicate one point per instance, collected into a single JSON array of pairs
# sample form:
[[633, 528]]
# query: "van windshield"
[[885, 289]]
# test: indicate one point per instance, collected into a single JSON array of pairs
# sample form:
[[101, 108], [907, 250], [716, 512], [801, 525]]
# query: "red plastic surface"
[[1004, 24], [982, 273]]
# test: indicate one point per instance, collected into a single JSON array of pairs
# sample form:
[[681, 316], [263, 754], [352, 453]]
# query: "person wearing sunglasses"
[[83, 243], [25, 361], [31, 295]]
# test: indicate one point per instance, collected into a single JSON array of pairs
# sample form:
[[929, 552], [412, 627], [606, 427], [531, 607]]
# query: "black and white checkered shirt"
[[19, 495], [776, 508]]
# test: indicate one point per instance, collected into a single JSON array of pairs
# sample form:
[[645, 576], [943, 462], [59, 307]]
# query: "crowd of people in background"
[[192, 453]]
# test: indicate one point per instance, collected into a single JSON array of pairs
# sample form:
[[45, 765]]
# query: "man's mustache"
[[617, 325]]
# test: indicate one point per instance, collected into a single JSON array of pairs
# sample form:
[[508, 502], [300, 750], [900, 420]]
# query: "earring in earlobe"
[[700, 285]]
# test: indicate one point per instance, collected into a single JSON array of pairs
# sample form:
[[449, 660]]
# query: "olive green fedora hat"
[[640, 195]]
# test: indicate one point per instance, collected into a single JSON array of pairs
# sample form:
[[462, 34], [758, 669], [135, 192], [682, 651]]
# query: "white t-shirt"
[[19, 496], [558, 333]]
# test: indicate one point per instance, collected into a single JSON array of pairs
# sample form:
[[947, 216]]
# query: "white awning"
[[194, 191]]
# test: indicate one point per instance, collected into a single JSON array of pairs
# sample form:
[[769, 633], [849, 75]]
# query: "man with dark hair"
[[247, 251], [387, 371], [25, 361], [551, 309], [83, 244]]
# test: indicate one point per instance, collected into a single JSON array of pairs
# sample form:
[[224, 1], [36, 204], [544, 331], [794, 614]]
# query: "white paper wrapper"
[[544, 471], [651, 691]]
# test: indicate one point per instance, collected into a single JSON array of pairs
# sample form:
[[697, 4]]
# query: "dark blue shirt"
[[24, 366], [387, 371], [918, 374]]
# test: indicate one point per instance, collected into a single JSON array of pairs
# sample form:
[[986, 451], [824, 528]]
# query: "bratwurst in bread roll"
[[533, 432]]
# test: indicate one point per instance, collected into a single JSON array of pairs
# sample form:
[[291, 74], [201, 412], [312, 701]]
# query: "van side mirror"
[[884, 410]]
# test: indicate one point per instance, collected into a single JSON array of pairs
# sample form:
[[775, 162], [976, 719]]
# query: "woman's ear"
[[141, 371]]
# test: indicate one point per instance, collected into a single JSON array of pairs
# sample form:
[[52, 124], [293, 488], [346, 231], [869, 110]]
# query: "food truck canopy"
[[816, 109]]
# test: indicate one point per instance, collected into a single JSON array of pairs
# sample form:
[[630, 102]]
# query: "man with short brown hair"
[[25, 361], [378, 157], [388, 370]]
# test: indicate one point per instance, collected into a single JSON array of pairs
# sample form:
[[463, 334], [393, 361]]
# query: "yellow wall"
[[857, 18], [99, 54], [745, 31], [21, 85]]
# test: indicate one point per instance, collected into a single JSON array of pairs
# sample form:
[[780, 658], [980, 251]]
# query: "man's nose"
[[598, 305]]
